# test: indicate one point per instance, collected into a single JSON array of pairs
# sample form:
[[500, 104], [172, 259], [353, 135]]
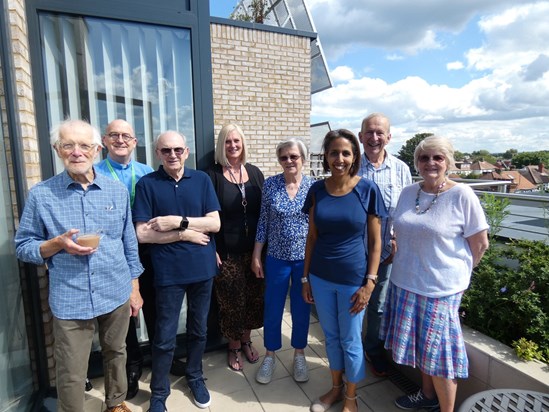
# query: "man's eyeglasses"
[[436, 158], [166, 151], [69, 147], [125, 136], [293, 158]]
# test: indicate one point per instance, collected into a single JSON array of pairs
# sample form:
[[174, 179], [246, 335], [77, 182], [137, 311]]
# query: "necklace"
[[439, 189], [242, 188]]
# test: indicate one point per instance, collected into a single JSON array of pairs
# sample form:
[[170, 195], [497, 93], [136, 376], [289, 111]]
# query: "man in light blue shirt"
[[120, 141], [391, 175], [87, 284]]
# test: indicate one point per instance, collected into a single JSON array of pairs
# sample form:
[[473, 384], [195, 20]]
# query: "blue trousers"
[[168, 306], [279, 274], [342, 330], [372, 344]]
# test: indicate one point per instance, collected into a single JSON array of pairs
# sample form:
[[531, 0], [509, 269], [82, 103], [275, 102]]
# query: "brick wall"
[[261, 81]]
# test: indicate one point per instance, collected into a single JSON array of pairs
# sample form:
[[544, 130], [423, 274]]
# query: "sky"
[[475, 71]]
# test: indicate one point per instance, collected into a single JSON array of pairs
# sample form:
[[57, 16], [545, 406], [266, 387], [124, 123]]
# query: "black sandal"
[[250, 352], [234, 352]]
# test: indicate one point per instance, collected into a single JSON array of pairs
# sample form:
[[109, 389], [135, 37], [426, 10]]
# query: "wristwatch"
[[184, 223], [304, 279], [373, 278]]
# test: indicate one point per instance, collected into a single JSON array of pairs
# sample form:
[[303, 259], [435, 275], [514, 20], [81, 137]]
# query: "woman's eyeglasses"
[[166, 151], [293, 158], [435, 158]]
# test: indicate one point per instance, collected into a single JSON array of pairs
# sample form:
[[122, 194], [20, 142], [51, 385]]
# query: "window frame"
[[188, 14]]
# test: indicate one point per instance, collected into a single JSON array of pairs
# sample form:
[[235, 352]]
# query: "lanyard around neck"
[[115, 176]]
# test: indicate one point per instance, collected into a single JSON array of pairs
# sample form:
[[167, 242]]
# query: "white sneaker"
[[266, 370], [301, 372]]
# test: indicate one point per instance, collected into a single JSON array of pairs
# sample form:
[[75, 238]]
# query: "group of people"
[[178, 232]]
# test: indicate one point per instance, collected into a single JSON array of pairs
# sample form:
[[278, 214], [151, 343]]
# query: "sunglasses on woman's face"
[[293, 158], [435, 158]]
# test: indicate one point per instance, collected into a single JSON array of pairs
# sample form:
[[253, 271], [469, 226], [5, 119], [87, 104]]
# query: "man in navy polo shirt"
[[175, 210]]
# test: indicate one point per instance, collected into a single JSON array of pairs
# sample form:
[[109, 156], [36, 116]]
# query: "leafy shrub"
[[508, 298]]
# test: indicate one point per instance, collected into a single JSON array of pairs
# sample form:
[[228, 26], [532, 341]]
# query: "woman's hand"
[[361, 297], [307, 293], [218, 260], [257, 267]]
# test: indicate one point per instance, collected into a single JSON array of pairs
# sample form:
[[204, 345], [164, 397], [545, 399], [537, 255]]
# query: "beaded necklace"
[[439, 189]]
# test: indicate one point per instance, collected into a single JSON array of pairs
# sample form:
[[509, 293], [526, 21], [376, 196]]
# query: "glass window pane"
[[100, 70], [15, 366]]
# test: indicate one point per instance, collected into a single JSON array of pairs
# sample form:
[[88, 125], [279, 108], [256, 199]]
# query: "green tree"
[[509, 154], [531, 158], [406, 152], [458, 155], [483, 155], [256, 12]]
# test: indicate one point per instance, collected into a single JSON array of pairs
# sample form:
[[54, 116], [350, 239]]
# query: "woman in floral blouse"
[[283, 226]]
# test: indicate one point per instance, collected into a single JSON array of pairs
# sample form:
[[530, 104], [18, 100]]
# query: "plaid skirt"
[[425, 333]]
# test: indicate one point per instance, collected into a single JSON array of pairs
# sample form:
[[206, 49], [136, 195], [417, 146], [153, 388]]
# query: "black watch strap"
[[184, 223]]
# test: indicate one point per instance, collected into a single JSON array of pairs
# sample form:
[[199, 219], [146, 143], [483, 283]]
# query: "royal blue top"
[[282, 225], [82, 287], [158, 194], [339, 254]]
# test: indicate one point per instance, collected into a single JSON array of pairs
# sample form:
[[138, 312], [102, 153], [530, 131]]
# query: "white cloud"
[[504, 105], [394, 57], [457, 65], [392, 24], [342, 73]]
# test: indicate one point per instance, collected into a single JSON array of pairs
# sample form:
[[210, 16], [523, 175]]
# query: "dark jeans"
[[168, 306], [372, 344], [146, 288]]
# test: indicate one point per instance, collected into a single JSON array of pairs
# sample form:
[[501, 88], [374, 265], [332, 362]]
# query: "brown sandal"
[[249, 351], [234, 353]]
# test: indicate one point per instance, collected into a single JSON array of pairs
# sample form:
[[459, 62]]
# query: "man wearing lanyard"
[[120, 141]]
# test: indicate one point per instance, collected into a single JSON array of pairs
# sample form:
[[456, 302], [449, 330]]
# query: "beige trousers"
[[73, 341]]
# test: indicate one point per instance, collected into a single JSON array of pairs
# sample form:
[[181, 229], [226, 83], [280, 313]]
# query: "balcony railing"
[[528, 213]]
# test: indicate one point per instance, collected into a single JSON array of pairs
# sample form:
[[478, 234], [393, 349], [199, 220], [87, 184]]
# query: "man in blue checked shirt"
[[391, 175], [88, 284]]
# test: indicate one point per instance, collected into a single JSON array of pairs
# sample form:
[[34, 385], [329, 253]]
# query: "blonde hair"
[[220, 155], [435, 143]]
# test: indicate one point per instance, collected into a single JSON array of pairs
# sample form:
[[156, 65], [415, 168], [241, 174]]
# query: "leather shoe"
[[133, 385], [178, 368]]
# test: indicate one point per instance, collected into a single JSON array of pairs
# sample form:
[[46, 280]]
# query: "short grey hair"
[[435, 143], [170, 132], [60, 128], [220, 155], [373, 116], [292, 142]]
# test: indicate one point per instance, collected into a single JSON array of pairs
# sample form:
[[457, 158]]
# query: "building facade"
[[160, 65]]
